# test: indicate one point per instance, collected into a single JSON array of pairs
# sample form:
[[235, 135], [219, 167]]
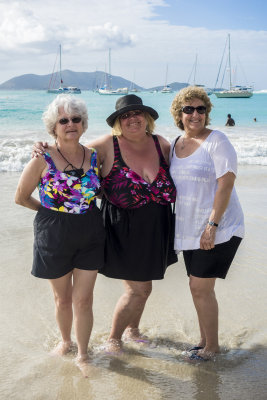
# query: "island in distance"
[[84, 80]]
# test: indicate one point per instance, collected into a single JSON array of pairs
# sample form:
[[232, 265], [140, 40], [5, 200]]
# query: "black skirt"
[[64, 241], [138, 241]]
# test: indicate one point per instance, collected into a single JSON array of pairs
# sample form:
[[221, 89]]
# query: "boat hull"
[[233, 94], [65, 90], [113, 92]]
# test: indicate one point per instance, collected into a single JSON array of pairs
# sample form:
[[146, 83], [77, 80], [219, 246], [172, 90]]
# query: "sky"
[[149, 39]]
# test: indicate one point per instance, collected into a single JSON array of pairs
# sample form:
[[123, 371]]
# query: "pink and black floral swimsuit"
[[124, 188]]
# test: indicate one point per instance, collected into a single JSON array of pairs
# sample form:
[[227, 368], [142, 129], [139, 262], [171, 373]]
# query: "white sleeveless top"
[[195, 178]]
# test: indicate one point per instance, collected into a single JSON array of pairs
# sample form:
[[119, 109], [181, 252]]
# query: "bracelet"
[[212, 223]]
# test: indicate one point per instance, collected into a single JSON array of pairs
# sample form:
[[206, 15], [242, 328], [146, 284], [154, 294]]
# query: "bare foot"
[[82, 363], [207, 355], [113, 346], [134, 335], [62, 348]]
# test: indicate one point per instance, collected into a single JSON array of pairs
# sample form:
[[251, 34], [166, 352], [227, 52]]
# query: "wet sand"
[[28, 331]]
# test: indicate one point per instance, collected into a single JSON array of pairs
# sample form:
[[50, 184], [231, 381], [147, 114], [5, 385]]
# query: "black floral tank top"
[[126, 189]]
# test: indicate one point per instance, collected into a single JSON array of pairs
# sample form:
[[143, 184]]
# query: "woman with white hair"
[[68, 230]]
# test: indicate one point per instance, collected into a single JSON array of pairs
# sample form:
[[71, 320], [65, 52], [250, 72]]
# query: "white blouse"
[[195, 178]]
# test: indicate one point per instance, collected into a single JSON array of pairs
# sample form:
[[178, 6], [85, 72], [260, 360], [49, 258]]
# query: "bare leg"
[[83, 286], [62, 289], [206, 305], [128, 311]]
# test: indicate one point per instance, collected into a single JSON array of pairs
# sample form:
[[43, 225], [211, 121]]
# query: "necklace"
[[78, 172]]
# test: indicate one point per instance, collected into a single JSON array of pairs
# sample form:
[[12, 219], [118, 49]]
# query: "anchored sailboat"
[[194, 71], [166, 88], [107, 88], [233, 91], [61, 89]]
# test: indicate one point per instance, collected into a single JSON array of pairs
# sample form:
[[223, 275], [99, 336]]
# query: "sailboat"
[[107, 87], [233, 91], [61, 89], [166, 88], [194, 71]]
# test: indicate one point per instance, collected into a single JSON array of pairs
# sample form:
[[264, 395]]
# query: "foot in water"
[[113, 346], [63, 348], [134, 335], [83, 364]]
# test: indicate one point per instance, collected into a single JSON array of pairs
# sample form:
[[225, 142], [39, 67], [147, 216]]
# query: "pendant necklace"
[[77, 172]]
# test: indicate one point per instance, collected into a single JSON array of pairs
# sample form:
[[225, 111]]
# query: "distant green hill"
[[83, 80]]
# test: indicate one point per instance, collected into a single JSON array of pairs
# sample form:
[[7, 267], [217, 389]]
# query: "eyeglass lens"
[[191, 109], [131, 114], [75, 120]]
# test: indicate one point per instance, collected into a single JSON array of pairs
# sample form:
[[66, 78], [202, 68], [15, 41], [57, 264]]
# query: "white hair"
[[71, 105]]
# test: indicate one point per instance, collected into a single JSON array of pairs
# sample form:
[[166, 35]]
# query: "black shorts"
[[213, 263], [64, 241]]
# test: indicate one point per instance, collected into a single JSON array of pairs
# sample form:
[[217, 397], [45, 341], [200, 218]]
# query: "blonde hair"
[[71, 105], [186, 95], [116, 129]]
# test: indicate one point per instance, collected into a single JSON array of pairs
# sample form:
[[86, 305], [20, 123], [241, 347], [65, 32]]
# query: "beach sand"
[[28, 330]]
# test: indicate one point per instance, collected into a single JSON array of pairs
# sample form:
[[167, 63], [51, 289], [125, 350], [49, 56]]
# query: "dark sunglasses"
[[191, 109], [131, 114], [64, 121]]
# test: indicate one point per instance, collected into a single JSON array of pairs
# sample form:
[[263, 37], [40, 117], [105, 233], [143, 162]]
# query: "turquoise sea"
[[21, 124]]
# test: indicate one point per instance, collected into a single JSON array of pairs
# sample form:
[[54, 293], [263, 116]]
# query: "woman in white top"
[[209, 218]]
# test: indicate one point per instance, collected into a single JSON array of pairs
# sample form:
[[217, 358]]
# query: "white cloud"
[[31, 30]]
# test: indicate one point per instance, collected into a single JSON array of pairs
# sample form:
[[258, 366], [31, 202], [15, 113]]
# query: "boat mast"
[[229, 62], [61, 81], [195, 71], [109, 68], [166, 75]]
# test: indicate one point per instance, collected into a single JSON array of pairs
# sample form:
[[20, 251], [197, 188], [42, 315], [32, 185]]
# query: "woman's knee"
[[200, 288], [83, 302], [141, 290], [63, 302]]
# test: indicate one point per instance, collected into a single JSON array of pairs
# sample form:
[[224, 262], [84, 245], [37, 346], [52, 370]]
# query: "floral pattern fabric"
[[60, 191], [126, 189]]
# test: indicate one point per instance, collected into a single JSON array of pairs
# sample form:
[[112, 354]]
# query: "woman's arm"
[[28, 182], [105, 152], [221, 200]]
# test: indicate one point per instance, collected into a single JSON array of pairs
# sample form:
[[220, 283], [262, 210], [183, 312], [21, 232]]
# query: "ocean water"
[[21, 124]]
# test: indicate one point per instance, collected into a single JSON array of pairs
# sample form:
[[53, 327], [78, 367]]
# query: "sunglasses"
[[64, 121], [131, 114], [191, 109]]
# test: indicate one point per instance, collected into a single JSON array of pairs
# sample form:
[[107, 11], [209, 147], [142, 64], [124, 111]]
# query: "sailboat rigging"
[[61, 89], [236, 91], [107, 88], [194, 72], [166, 88]]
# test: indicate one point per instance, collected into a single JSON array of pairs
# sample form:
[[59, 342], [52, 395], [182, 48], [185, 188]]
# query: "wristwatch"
[[212, 223]]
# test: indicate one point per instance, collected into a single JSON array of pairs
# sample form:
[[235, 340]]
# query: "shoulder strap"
[[176, 140], [117, 152], [49, 161], [157, 144], [93, 158]]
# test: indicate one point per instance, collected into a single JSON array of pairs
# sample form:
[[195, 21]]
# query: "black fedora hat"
[[129, 102]]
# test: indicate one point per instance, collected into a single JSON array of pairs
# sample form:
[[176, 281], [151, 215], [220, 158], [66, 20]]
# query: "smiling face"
[[193, 123], [135, 122], [68, 131]]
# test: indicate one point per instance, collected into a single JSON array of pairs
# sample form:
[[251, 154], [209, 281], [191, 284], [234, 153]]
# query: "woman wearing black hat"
[[136, 207]]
